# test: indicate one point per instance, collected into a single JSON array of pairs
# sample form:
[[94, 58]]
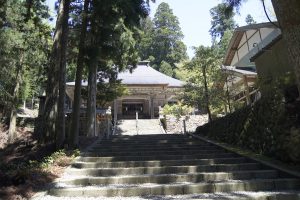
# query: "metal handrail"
[[136, 122]]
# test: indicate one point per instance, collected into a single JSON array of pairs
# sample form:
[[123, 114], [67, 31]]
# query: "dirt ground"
[[17, 180]]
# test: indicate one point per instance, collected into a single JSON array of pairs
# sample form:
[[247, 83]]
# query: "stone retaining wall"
[[175, 125]]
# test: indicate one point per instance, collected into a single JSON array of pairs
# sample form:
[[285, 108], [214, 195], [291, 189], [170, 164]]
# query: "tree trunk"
[[60, 123], [73, 135], [91, 103], [206, 94], [288, 15], [13, 113], [53, 119], [228, 96]]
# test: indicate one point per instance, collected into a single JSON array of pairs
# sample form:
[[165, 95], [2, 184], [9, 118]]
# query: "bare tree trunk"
[[228, 95], [206, 94], [13, 113], [288, 15], [73, 135], [91, 103], [60, 123], [53, 119]]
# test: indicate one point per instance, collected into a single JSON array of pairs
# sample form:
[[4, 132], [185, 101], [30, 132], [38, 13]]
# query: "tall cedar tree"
[[221, 21], [54, 115], [112, 45], [74, 131], [21, 52], [165, 43]]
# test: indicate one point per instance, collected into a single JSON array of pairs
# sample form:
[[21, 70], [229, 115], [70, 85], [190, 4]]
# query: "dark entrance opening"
[[129, 109]]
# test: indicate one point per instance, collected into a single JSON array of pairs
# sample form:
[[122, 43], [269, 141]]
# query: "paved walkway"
[[140, 127]]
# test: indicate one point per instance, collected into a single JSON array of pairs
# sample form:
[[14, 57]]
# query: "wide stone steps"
[[163, 170], [157, 163], [150, 152], [170, 178], [149, 147], [157, 157], [156, 166], [178, 188]]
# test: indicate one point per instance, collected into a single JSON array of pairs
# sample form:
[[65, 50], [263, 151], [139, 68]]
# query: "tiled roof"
[[146, 75], [143, 74]]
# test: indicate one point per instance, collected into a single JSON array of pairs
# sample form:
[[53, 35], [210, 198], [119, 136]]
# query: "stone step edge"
[[141, 145], [284, 170], [155, 157], [260, 195], [159, 161], [169, 166], [182, 188], [254, 173], [159, 152], [152, 161], [147, 148]]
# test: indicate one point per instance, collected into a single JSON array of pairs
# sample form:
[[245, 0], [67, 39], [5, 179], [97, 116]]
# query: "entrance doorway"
[[129, 109], [132, 108]]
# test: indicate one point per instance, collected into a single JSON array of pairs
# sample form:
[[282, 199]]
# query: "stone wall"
[[175, 126]]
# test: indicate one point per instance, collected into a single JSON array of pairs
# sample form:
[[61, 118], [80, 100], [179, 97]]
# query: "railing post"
[[136, 124], [108, 127], [184, 126]]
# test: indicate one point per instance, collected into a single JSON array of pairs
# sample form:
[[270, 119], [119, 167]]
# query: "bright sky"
[[194, 17]]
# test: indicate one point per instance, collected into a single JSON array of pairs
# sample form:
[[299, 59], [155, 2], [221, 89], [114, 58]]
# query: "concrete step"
[[180, 156], [154, 150], [165, 139], [158, 163], [240, 195], [149, 137], [163, 169], [178, 188], [173, 178], [147, 146], [141, 144], [148, 153]]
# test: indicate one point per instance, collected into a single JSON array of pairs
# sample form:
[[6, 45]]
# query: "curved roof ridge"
[[146, 75]]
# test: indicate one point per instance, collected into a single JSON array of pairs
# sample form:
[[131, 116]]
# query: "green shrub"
[[177, 110]]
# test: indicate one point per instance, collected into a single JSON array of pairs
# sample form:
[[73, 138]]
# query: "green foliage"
[[166, 68], [107, 92], [145, 48], [224, 43], [221, 21], [206, 62], [178, 110], [162, 40], [60, 158], [264, 128], [249, 20], [24, 41]]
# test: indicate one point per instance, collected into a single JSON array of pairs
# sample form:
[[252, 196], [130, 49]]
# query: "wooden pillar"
[[246, 86]]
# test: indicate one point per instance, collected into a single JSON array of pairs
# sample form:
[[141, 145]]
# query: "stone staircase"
[[142, 127], [169, 167]]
